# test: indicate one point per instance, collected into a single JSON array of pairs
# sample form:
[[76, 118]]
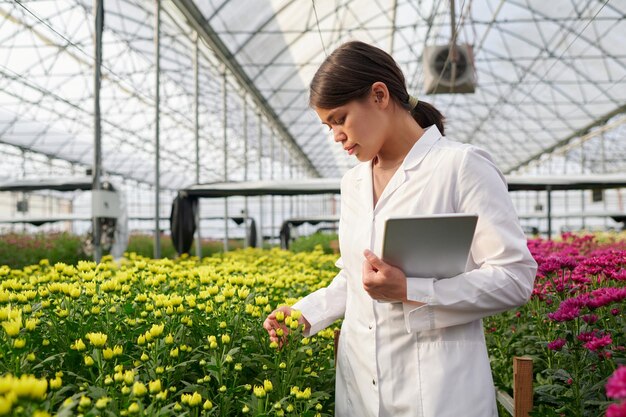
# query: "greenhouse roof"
[[550, 81]]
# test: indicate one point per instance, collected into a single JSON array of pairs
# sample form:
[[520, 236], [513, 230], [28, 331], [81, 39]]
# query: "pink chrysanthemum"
[[616, 410], [556, 344], [616, 384]]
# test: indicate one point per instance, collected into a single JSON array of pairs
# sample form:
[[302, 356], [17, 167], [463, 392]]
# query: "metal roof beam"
[[563, 142], [205, 31]]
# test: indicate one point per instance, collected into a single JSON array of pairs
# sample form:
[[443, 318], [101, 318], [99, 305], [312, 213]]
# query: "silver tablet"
[[430, 246]]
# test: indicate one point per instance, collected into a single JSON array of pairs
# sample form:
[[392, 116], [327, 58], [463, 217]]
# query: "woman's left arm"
[[506, 272]]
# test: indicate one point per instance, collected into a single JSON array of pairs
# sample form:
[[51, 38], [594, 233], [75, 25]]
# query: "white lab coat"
[[398, 360]]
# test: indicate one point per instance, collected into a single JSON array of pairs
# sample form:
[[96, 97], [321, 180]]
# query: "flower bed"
[[162, 337], [573, 327]]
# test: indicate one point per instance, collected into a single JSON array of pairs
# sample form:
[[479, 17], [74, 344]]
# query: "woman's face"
[[359, 126]]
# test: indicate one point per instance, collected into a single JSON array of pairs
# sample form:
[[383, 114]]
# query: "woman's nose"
[[338, 135]]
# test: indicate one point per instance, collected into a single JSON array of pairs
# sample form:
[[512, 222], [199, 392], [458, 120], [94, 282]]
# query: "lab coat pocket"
[[455, 379]]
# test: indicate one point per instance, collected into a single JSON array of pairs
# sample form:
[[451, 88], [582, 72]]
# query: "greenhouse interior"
[[167, 189]]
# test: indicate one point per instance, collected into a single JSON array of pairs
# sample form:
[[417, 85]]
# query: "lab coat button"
[[374, 382], [370, 326]]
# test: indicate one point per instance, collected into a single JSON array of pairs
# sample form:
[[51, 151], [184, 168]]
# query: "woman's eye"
[[339, 121]]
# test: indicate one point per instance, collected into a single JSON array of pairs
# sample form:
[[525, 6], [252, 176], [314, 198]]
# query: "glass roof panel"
[[547, 73]]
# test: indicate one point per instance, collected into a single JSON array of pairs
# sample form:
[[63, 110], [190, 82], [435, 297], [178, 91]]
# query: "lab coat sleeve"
[[506, 272], [322, 307]]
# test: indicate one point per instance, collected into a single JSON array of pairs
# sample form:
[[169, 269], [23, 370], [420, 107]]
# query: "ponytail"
[[425, 114]]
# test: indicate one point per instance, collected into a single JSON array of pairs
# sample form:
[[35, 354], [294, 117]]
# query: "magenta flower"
[[616, 384], [590, 318], [616, 410], [586, 336], [598, 342], [555, 263], [557, 344]]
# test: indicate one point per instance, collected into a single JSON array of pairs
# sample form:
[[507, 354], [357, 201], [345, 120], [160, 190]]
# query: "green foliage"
[[143, 244], [18, 250], [308, 243]]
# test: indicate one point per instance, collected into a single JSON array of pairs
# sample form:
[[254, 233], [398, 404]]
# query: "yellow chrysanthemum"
[[259, 391], [12, 327], [154, 386], [97, 339], [102, 403], [139, 389]]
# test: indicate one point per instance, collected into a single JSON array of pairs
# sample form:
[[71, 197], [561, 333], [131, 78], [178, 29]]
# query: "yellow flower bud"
[[101, 403], [156, 330], [56, 383], [155, 386], [134, 408], [129, 377], [107, 354], [259, 391], [84, 402], [78, 345], [139, 389], [280, 316]]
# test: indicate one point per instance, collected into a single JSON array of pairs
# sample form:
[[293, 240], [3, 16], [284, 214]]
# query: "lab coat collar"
[[419, 150], [417, 153]]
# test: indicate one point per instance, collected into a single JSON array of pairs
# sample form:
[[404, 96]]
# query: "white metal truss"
[[550, 77]]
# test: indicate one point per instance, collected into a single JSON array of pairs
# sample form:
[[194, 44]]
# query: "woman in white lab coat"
[[424, 353]]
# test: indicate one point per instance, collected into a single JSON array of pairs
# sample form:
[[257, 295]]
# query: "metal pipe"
[[97, 159], [272, 225], [157, 183], [196, 107], [225, 150], [245, 169], [549, 191], [260, 155]]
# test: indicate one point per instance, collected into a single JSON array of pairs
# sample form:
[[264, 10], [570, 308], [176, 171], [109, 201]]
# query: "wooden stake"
[[522, 386]]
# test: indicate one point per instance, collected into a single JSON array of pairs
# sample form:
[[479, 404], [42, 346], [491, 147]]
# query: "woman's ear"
[[380, 94]]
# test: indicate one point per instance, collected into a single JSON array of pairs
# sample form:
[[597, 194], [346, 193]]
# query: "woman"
[[425, 353]]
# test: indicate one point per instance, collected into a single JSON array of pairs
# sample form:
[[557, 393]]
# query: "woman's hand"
[[277, 329], [382, 281]]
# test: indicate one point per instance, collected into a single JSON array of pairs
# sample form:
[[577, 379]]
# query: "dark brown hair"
[[349, 72]]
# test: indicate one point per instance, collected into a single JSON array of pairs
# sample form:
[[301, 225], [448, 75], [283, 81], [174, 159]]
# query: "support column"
[[272, 225], [260, 156], [97, 152], [225, 149], [245, 168], [157, 145], [196, 107], [549, 192]]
